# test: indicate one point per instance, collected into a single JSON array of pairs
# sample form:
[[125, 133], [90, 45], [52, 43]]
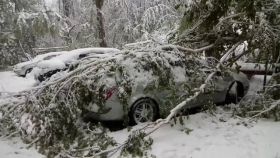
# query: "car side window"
[[49, 57], [82, 56]]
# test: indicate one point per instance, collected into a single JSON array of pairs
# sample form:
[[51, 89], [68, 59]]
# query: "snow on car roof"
[[39, 58], [97, 50], [68, 57], [42, 56], [74, 54]]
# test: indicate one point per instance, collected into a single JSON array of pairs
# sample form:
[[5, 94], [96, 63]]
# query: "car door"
[[221, 83]]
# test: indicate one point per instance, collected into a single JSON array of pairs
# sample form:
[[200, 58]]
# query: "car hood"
[[51, 64], [23, 64]]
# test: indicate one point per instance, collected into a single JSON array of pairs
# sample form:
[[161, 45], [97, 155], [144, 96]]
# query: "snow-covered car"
[[22, 69], [144, 85], [47, 68]]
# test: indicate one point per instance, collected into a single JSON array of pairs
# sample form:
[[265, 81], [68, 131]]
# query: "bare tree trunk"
[[18, 5], [100, 23], [67, 7]]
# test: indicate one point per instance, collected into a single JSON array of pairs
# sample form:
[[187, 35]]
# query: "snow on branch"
[[185, 49], [152, 14], [270, 108]]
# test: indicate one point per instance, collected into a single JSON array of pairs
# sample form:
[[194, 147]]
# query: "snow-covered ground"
[[14, 148], [219, 136], [10, 82], [212, 136]]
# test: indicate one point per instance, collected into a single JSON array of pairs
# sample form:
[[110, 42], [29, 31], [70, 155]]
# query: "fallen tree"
[[152, 127], [49, 116]]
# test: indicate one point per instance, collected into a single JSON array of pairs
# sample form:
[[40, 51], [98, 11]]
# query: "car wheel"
[[234, 93], [143, 110]]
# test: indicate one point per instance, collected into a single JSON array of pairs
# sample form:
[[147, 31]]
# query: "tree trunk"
[[18, 5], [100, 23], [67, 7]]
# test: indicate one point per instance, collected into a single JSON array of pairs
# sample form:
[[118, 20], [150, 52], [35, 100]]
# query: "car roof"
[[74, 53], [95, 50], [42, 56]]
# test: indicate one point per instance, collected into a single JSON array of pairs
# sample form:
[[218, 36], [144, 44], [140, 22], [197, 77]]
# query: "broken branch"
[[184, 49]]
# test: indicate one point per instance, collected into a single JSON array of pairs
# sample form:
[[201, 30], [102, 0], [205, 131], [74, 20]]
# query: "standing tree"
[[68, 9], [100, 23]]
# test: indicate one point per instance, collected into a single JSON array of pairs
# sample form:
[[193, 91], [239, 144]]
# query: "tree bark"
[[100, 23], [67, 7], [18, 5]]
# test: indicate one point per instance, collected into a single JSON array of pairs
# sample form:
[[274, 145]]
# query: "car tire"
[[235, 93], [143, 110]]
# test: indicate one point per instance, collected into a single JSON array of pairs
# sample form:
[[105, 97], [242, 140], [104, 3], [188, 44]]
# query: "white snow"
[[239, 31], [57, 60], [69, 57], [52, 5], [73, 55], [14, 148], [51, 64], [39, 58], [10, 82], [216, 136]]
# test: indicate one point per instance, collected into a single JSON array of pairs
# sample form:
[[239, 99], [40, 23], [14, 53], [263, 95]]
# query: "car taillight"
[[110, 92]]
